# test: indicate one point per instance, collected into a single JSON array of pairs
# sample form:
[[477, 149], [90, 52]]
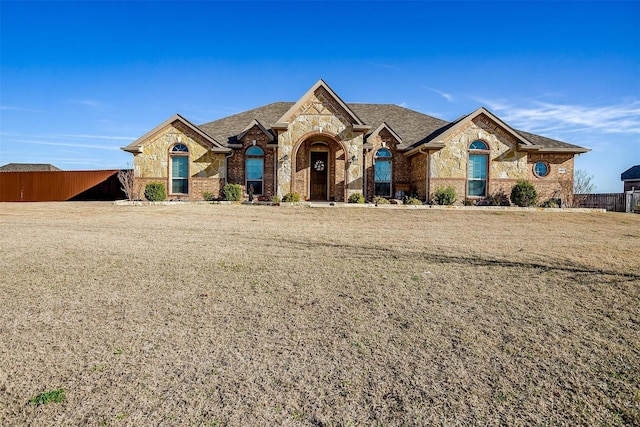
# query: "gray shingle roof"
[[28, 167], [413, 127]]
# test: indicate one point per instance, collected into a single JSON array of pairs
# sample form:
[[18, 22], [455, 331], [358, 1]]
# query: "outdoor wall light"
[[353, 158], [285, 157]]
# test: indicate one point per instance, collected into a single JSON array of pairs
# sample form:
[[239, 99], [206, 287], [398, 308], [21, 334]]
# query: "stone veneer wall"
[[206, 169], [319, 115]]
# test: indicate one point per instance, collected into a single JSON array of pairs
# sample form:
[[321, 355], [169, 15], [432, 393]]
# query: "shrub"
[[445, 195], [155, 192], [379, 200], [550, 203], [208, 196], [232, 192], [524, 194], [275, 199], [468, 202], [291, 198], [412, 201], [499, 198], [356, 198]]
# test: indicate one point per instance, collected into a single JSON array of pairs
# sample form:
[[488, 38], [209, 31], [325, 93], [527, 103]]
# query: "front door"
[[319, 174]]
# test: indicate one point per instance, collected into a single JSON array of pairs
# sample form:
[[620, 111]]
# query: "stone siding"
[[206, 169], [400, 164], [318, 117]]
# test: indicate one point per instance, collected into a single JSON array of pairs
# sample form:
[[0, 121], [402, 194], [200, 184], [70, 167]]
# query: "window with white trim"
[[382, 173], [477, 170], [254, 170], [179, 157]]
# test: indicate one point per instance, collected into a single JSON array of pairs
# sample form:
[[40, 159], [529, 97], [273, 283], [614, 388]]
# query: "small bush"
[[155, 192], [356, 198], [291, 198], [550, 203], [468, 202], [56, 396], [208, 196], [275, 199], [445, 195], [499, 198], [412, 201], [524, 194], [379, 200], [232, 192]]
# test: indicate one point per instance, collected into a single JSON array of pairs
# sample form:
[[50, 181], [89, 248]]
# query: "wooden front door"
[[319, 175]]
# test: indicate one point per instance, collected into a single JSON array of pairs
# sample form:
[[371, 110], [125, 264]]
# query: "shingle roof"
[[413, 127], [631, 173], [28, 167]]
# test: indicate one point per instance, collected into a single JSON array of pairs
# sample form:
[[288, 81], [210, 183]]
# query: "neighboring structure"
[[326, 149], [28, 167], [631, 178]]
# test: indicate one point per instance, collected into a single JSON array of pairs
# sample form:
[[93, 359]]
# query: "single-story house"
[[325, 149], [631, 178]]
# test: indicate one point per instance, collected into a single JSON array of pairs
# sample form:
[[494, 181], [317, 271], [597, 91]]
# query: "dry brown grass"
[[238, 315]]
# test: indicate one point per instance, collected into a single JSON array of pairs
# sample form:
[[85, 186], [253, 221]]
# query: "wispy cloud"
[[91, 103], [387, 66], [445, 95], [537, 116], [26, 110], [63, 144]]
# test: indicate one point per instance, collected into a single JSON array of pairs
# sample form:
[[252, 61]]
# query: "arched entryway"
[[319, 169]]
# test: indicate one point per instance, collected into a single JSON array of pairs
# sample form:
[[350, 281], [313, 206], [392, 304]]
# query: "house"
[[325, 149], [28, 167], [631, 178]]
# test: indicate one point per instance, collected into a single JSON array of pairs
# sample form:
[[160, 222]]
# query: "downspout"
[[364, 172]]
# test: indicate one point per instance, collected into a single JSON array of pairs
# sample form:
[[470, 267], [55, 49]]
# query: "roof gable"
[[325, 90], [29, 167], [464, 120], [136, 146], [383, 126], [255, 123]]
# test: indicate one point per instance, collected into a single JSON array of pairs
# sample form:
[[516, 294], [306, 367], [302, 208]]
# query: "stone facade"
[[320, 118], [426, 153], [206, 169]]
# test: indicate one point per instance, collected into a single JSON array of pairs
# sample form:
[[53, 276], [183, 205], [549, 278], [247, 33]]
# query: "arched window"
[[382, 173], [254, 169], [478, 169], [179, 156]]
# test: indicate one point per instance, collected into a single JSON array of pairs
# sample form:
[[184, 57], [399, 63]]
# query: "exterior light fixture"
[[285, 157], [353, 158]]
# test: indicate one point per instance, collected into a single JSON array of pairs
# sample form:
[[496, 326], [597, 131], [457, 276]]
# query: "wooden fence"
[[614, 202], [45, 186]]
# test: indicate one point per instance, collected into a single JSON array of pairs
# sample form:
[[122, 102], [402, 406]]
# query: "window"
[[541, 169], [179, 169], [254, 169], [382, 173], [477, 169]]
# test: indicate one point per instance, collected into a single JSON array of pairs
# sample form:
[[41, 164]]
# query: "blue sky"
[[78, 80]]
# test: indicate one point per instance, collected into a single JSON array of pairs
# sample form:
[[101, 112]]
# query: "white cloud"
[[445, 95], [92, 103], [623, 118], [26, 110]]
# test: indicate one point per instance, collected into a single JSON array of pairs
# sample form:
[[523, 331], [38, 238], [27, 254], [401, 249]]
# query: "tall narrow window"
[[255, 169], [179, 169], [382, 173], [477, 169]]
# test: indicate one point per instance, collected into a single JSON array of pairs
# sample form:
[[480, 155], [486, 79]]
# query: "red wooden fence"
[[49, 186]]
